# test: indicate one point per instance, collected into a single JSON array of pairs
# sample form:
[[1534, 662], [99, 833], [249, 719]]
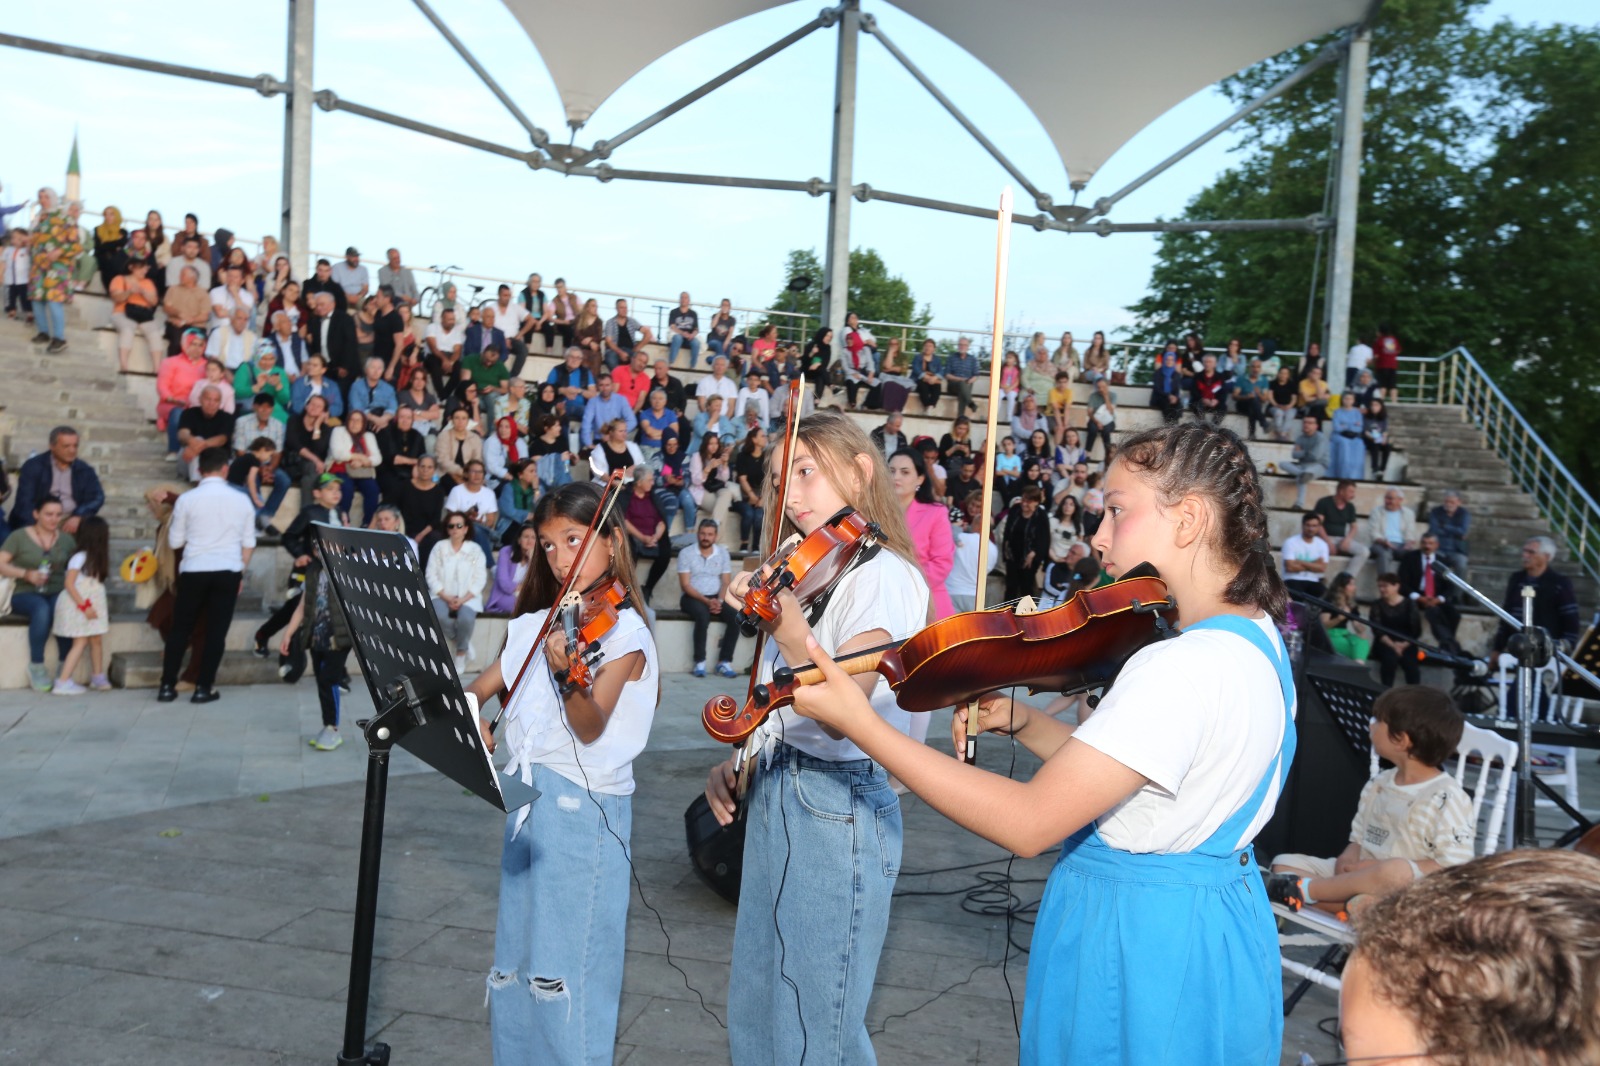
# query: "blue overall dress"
[[1144, 959]]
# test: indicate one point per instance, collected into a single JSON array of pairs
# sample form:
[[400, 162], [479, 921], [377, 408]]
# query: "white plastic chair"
[[1566, 710], [1496, 769]]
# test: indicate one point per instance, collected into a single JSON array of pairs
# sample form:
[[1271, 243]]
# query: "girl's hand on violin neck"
[[996, 714], [556, 652], [790, 628], [720, 784], [837, 701]]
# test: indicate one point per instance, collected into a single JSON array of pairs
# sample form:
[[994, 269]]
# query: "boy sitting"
[[1411, 821], [1492, 963]]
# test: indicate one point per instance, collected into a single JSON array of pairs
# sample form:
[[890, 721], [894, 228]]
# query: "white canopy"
[[1093, 72]]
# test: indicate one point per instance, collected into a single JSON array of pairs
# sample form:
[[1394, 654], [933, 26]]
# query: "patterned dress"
[[56, 233]]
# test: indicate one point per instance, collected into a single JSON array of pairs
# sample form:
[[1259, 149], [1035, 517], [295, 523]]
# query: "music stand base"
[[376, 1055]]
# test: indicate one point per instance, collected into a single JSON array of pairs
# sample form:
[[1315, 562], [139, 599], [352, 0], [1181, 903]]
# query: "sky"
[[176, 145]]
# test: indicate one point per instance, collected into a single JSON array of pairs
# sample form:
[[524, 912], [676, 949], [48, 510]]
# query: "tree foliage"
[[875, 294], [1480, 185]]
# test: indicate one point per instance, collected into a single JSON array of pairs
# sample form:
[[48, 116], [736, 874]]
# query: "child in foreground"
[[1412, 820], [1492, 963]]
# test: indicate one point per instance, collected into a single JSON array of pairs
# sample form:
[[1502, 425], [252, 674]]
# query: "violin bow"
[[791, 435], [608, 499], [997, 342]]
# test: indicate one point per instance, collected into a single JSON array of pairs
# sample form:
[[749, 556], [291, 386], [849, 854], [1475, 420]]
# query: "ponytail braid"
[[1206, 459]]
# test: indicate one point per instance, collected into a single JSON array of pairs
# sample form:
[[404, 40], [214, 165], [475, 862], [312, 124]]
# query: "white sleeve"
[[1149, 720]]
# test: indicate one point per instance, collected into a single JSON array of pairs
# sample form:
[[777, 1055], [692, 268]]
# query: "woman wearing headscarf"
[[110, 238], [57, 245]]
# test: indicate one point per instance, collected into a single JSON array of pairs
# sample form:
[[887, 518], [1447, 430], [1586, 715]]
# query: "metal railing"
[[1459, 379]]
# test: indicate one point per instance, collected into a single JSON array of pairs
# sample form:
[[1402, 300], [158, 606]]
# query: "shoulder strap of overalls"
[[1229, 832]]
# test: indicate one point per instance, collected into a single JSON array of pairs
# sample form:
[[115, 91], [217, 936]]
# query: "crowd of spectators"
[[328, 384]]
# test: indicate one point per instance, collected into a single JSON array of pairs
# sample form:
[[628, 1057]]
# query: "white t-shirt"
[[963, 577], [886, 593], [446, 340], [1201, 716], [509, 319], [220, 295], [537, 730], [77, 561], [1360, 355], [746, 397], [1304, 551], [709, 386], [464, 499]]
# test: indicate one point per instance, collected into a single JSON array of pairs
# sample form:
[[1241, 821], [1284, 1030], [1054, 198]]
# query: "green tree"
[[875, 294], [1479, 184]]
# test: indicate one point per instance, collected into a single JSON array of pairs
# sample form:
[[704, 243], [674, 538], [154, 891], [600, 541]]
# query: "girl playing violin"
[[823, 831], [558, 947], [1154, 941]]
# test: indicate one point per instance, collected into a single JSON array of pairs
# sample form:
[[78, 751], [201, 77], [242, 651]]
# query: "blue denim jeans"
[[678, 342], [51, 318], [560, 934], [40, 611], [672, 502], [821, 852]]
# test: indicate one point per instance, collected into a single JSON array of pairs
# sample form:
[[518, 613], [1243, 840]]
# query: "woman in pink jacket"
[[929, 522]]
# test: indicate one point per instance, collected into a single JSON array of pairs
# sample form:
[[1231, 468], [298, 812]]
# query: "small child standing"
[[1411, 820], [15, 263], [81, 607]]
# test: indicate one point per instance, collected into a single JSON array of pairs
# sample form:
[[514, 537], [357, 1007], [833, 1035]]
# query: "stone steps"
[[142, 669]]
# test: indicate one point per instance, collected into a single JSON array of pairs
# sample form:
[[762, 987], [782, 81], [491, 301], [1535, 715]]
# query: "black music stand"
[[411, 675], [1350, 704]]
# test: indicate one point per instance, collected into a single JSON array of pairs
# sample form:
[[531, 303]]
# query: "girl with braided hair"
[[1154, 941]]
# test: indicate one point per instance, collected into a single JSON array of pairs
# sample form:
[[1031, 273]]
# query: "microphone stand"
[[1429, 653], [1533, 651]]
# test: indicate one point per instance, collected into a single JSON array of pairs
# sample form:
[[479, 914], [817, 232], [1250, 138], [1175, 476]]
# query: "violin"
[[586, 618], [809, 567], [1078, 645]]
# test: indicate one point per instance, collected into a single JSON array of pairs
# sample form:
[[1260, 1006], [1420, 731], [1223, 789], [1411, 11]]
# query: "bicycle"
[[432, 294]]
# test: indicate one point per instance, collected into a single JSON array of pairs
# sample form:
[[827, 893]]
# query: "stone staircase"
[[1445, 451]]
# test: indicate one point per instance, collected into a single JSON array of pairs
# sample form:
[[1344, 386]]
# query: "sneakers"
[[699, 669], [40, 338], [260, 651], [38, 677], [100, 683], [68, 687], [1284, 889], [726, 670], [327, 740], [56, 346], [461, 662]]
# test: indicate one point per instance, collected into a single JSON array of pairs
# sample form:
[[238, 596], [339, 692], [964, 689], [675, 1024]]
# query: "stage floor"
[[177, 885]]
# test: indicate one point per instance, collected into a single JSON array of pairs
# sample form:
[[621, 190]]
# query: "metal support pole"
[[836, 265], [1316, 63], [354, 1051], [538, 136], [295, 228], [1041, 200], [1527, 834], [1341, 276], [265, 84]]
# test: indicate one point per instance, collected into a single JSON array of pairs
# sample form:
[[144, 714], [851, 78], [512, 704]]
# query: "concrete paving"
[[177, 885]]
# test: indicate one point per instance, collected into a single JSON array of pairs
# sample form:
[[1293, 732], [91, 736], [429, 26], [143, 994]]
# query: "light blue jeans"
[[821, 853], [678, 342], [51, 317], [559, 938]]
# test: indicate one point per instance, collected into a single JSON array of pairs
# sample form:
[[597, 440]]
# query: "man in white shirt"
[[703, 574], [512, 319], [1359, 359], [478, 502], [753, 393], [233, 342], [399, 279], [445, 336], [215, 525], [352, 277], [1305, 556], [231, 295], [718, 384]]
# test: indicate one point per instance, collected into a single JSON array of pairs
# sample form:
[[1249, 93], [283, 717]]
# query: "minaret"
[[74, 179]]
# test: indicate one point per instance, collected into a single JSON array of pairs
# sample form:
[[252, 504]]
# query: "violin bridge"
[[1026, 605]]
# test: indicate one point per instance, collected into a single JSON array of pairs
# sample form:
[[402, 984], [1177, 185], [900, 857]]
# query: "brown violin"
[[809, 567], [1078, 645], [586, 618]]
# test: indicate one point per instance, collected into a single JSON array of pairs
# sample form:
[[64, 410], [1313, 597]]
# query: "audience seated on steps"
[[1393, 529], [1451, 523], [133, 310]]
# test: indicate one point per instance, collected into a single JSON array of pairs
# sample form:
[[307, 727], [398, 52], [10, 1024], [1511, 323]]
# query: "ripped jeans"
[[558, 941]]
